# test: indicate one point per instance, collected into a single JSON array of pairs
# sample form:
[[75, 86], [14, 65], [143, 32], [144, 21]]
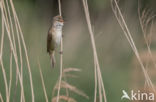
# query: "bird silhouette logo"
[[125, 95]]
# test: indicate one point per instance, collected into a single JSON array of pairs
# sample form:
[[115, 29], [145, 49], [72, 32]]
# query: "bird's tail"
[[52, 57]]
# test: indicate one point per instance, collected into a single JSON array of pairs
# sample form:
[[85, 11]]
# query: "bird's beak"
[[61, 20]]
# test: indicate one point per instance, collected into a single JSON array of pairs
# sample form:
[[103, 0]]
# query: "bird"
[[54, 37], [125, 95]]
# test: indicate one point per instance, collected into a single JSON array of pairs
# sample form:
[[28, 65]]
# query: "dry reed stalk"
[[19, 43], [71, 69], [10, 81], [7, 26], [1, 98], [98, 78], [8, 23], [71, 88], [5, 81], [12, 31], [146, 19], [68, 87], [61, 57], [43, 85], [11, 25], [121, 21], [65, 98], [1, 54], [2, 39], [25, 49], [95, 77]]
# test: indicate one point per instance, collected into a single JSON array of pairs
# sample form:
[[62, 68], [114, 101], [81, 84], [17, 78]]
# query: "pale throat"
[[58, 31], [58, 26]]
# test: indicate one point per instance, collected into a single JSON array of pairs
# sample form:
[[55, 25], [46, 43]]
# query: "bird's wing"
[[49, 39]]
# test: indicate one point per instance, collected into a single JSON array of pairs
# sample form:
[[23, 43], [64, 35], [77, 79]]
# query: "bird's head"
[[58, 22]]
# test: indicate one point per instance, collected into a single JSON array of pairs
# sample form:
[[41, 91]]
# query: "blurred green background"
[[115, 54]]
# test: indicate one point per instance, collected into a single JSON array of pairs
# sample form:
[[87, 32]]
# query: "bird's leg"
[[60, 52]]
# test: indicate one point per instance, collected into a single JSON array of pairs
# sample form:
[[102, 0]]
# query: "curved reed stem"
[[98, 78], [61, 58]]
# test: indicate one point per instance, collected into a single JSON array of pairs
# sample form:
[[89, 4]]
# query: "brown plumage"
[[54, 37]]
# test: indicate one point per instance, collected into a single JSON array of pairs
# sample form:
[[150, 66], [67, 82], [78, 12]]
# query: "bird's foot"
[[61, 52]]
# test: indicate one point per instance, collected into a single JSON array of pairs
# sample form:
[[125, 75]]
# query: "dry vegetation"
[[11, 25], [146, 22], [14, 31], [11, 29]]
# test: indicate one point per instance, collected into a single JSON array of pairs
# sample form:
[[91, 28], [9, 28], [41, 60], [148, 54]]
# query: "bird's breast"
[[58, 36]]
